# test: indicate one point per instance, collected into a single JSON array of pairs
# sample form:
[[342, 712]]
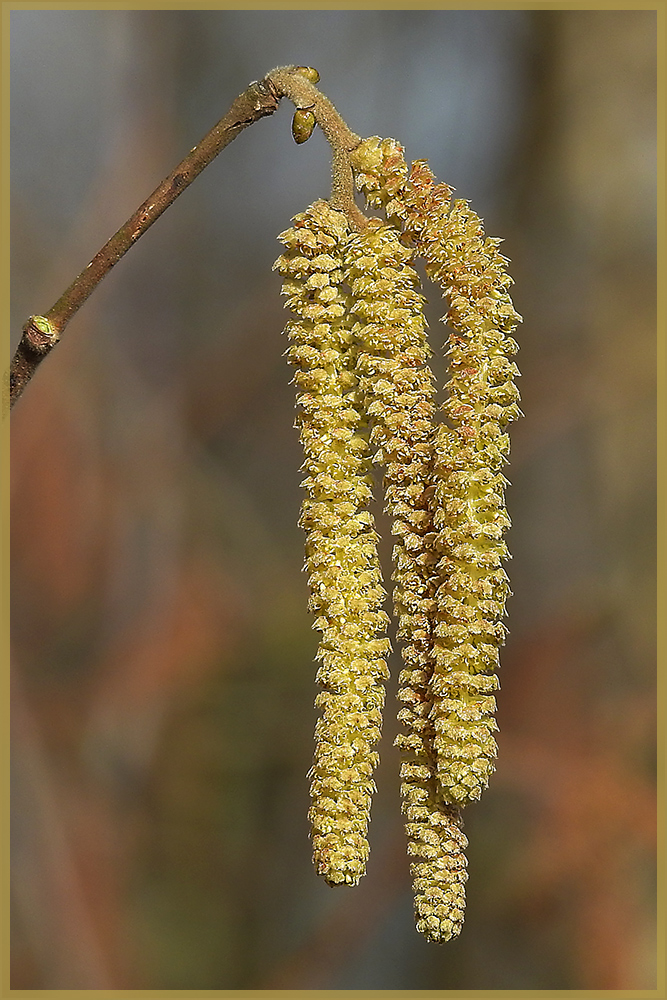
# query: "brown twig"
[[42, 333]]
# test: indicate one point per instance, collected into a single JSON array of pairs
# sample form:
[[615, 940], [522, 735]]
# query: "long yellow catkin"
[[470, 493], [341, 544], [396, 385], [359, 345], [469, 508]]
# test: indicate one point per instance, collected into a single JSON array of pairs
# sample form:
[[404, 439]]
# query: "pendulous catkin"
[[397, 390], [444, 491], [470, 514], [469, 506], [344, 576]]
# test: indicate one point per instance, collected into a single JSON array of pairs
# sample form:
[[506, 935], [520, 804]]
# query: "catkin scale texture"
[[359, 345], [346, 592], [470, 448], [380, 172], [470, 514], [397, 388]]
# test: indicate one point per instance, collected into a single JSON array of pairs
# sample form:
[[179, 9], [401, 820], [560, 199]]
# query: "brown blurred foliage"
[[161, 652]]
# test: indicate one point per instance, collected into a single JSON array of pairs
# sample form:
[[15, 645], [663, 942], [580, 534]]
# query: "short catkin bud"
[[346, 592]]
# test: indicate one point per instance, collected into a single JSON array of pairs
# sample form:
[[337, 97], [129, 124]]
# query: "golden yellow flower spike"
[[341, 544], [471, 515], [358, 344], [469, 508], [443, 489], [396, 386]]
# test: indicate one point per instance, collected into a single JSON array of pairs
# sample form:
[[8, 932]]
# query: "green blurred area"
[[163, 676]]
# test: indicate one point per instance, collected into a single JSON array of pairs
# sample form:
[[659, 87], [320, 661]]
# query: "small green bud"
[[40, 334], [309, 72], [303, 124]]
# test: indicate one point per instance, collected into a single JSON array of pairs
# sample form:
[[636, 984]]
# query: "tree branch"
[[42, 333]]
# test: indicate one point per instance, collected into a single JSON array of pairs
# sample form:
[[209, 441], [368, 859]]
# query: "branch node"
[[40, 335]]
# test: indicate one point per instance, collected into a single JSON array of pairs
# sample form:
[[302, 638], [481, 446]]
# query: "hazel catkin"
[[346, 592], [471, 518], [468, 504], [361, 354], [397, 389]]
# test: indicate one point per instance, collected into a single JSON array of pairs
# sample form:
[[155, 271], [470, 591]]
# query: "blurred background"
[[162, 654]]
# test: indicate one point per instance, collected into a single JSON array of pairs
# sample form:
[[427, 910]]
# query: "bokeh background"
[[162, 652]]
